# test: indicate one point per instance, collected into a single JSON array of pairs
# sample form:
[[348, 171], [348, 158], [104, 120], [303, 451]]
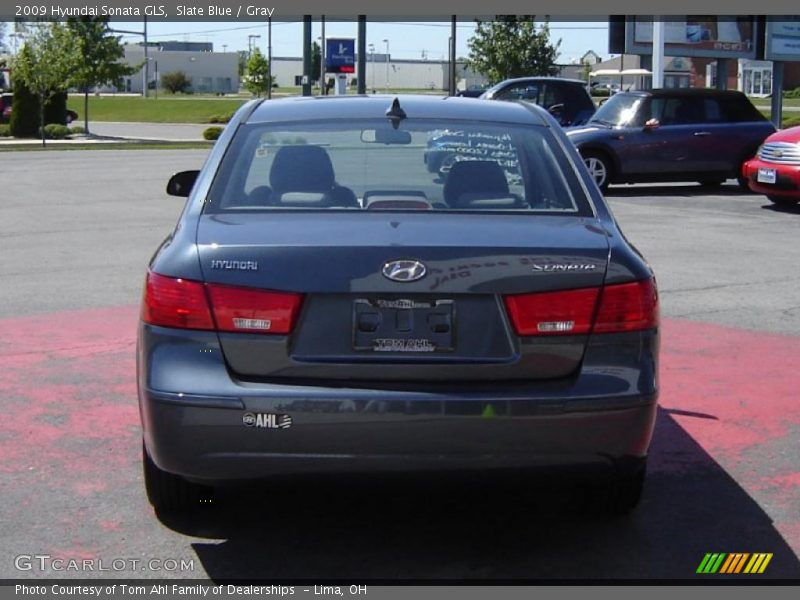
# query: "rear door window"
[[428, 165]]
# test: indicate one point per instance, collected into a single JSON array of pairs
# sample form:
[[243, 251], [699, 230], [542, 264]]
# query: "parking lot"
[[77, 231]]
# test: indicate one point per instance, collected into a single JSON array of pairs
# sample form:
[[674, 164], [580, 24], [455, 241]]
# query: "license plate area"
[[393, 326], [766, 175]]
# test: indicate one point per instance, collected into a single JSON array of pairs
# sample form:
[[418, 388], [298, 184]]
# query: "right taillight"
[[612, 308], [627, 307], [185, 304]]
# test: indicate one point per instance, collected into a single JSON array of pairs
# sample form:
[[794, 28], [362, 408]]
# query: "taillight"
[[628, 307], [186, 304], [619, 307], [254, 311], [553, 313], [171, 302]]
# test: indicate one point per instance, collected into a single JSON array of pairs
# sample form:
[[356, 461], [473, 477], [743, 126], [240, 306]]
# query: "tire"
[[599, 167], [170, 493], [618, 497], [783, 200]]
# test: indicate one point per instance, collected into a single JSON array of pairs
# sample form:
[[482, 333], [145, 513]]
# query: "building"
[[382, 71], [209, 72]]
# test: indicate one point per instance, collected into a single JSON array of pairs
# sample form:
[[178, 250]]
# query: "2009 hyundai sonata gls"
[[328, 304]]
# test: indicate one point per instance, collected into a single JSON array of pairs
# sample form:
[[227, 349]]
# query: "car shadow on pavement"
[[489, 528], [688, 189], [793, 209]]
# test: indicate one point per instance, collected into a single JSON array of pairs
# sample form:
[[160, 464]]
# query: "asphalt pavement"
[[172, 132], [77, 230]]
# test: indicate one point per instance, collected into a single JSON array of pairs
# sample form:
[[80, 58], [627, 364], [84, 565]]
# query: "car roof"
[[306, 108], [701, 92], [539, 78]]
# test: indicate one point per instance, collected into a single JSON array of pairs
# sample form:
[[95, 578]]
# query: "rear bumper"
[[787, 178], [193, 414]]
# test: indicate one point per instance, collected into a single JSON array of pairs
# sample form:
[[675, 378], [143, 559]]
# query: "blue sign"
[[340, 55]]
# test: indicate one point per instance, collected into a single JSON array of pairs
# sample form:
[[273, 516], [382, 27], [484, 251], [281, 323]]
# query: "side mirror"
[[651, 125], [181, 184]]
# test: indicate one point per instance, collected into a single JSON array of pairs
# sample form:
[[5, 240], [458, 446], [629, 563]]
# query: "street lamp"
[[250, 43], [372, 60], [387, 65]]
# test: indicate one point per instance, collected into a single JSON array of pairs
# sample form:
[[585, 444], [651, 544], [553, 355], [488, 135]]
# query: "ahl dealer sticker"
[[267, 420]]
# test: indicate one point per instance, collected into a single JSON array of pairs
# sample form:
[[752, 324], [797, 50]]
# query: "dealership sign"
[[340, 55], [783, 38], [695, 36]]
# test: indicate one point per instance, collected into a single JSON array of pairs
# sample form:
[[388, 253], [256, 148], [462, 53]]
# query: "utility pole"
[[451, 83], [387, 65], [323, 87], [307, 55], [658, 52], [361, 67], [269, 58], [146, 63]]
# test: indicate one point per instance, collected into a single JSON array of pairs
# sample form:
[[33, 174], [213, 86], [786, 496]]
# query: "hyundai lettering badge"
[[404, 270]]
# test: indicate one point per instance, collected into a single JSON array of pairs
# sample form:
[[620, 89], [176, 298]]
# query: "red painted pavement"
[[69, 401]]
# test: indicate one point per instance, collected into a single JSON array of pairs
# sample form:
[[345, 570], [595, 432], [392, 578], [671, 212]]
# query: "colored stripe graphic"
[[711, 563], [723, 563], [758, 563]]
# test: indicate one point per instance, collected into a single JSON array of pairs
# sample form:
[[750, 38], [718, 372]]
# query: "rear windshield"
[[369, 165]]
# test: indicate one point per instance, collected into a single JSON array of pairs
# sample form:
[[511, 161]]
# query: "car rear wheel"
[[599, 168], [168, 492], [783, 200]]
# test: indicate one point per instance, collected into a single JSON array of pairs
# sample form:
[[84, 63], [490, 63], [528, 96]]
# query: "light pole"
[[372, 60], [250, 43], [387, 65]]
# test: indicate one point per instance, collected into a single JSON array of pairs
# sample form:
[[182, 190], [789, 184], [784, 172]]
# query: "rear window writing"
[[422, 166]]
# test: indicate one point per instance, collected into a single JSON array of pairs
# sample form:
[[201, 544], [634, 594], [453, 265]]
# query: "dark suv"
[[671, 135], [566, 99]]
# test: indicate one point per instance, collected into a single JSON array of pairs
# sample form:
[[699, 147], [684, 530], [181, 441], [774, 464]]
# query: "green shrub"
[[795, 93], [55, 109], [77, 129], [221, 118], [175, 82], [25, 112], [5, 130], [212, 133], [790, 122], [56, 131]]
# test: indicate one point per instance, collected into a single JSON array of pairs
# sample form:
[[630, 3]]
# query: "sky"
[[405, 40]]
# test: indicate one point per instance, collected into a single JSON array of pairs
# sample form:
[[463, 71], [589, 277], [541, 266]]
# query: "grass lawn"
[[175, 109], [170, 109]]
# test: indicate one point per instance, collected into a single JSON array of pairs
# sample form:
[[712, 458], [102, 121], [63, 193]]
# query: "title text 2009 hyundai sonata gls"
[[327, 304]]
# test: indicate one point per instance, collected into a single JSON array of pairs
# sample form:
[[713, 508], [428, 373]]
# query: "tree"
[[100, 57], [243, 56], [257, 78], [2, 36], [512, 46], [45, 64], [175, 82]]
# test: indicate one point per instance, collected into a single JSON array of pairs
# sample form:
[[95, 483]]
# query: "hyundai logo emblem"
[[404, 270]]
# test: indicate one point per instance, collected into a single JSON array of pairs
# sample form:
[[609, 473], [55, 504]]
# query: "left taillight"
[[185, 304]]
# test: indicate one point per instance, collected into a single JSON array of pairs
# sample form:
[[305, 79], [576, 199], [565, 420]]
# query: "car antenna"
[[395, 113]]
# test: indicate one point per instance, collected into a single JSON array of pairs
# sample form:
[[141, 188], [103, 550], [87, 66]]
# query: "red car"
[[775, 170]]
